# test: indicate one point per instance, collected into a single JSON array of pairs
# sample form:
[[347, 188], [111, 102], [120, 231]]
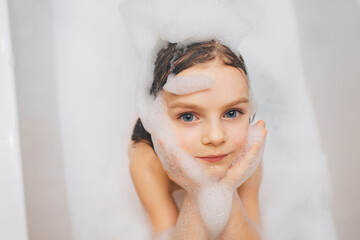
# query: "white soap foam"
[[183, 167], [252, 102], [215, 203], [214, 197], [182, 85], [174, 159], [173, 21], [152, 24]]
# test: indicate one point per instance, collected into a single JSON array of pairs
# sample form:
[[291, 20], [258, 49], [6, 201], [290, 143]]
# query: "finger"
[[265, 132], [244, 167], [261, 123]]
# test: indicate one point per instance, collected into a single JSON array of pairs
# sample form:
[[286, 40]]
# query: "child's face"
[[217, 123]]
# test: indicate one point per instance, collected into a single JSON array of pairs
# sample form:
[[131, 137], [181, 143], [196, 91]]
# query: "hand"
[[249, 161]]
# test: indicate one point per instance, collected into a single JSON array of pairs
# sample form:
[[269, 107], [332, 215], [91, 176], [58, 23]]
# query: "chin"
[[216, 171]]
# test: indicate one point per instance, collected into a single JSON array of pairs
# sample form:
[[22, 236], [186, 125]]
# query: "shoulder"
[[146, 170], [143, 159]]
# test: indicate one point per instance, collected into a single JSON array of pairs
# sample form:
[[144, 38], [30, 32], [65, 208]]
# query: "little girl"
[[211, 125]]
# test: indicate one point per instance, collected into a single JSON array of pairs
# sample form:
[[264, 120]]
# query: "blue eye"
[[187, 117], [232, 113]]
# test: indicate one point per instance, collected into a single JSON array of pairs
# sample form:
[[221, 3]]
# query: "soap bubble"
[[182, 85]]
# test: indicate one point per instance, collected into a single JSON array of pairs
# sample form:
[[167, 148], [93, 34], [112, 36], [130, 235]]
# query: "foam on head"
[[183, 22], [152, 24]]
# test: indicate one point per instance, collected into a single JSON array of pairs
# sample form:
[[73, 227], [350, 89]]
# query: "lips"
[[213, 158]]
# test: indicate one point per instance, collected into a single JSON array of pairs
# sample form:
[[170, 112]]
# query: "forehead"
[[228, 84], [216, 70]]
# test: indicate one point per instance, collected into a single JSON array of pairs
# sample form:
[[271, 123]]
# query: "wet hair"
[[174, 58]]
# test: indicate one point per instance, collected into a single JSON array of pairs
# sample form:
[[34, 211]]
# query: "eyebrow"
[[194, 106]]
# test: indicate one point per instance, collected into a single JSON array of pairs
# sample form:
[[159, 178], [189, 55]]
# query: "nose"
[[214, 134]]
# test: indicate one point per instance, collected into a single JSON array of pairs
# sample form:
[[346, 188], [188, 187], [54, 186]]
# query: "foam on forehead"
[[182, 85]]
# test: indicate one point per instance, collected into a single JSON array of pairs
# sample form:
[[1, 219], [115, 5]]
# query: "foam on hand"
[[245, 170]]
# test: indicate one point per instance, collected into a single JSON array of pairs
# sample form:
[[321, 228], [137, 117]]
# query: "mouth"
[[213, 158]]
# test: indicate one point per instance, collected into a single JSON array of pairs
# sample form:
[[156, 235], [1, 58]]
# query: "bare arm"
[[153, 187], [239, 226], [244, 221], [249, 195], [191, 226]]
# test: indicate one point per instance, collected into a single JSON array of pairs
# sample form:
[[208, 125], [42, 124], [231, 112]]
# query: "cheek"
[[187, 137], [238, 136]]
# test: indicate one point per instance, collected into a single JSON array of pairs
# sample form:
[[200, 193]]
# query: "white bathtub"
[[12, 202], [75, 111]]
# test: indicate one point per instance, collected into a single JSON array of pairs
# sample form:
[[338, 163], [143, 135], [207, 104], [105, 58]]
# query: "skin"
[[218, 120], [209, 128]]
